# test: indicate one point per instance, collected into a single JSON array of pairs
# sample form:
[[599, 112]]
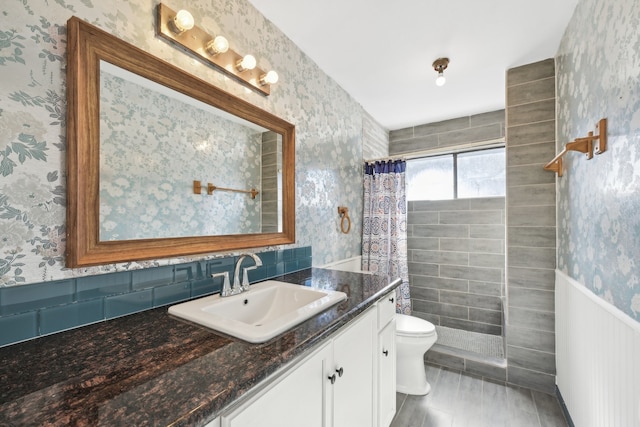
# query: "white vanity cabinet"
[[352, 364], [339, 384], [295, 399], [386, 361]]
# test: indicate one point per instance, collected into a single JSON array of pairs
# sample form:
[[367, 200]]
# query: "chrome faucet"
[[238, 287], [244, 286]]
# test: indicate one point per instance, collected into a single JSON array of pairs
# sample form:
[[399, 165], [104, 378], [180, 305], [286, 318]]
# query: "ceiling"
[[381, 51]]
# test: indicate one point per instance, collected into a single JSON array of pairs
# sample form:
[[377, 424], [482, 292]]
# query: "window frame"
[[454, 154]]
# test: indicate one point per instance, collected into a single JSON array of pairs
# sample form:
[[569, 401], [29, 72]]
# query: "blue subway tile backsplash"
[[132, 302], [62, 317], [90, 287], [30, 311], [18, 327], [18, 299]]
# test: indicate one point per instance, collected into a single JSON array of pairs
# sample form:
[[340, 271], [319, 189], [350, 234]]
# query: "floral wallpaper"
[[153, 146], [329, 125], [598, 76]]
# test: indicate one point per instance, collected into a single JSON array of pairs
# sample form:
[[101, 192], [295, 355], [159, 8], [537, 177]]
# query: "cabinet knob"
[[391, 300], [332, 378], [385, 352], [340, 372]]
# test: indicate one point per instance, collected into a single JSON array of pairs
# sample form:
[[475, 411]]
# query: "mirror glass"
[[155, 142], [140, 134]]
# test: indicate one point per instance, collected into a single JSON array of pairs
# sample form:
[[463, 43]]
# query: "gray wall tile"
[[487, 118], [532, 133], [536, 237], [471, 217], [439, 283], [421, 269], [438, 257], [487, 203], [412, 145], [493, 317], [531, 195], [464, 136], [534, 299], [529, 174], [531, 257], [537, 278], [531, 216], [422, 243], [487, 260], [535, 112], [531, 359], [471, 273], [487, 231], [482, 369], [422, 217], [396, 135], [443, 126], [532, 319], [531, 379], [531, 338], [532, 91], [538, 154], [530, 72], [459, 230]]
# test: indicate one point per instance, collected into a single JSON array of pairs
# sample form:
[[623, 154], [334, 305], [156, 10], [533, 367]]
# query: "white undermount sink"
[[268, 309]]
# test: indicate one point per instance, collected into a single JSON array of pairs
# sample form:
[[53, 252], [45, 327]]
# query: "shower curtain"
[[384, 233]]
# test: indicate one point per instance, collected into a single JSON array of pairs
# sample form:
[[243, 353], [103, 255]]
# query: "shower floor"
[[482, 344]]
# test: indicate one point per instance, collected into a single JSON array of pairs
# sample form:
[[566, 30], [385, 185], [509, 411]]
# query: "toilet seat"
[[410, 326]]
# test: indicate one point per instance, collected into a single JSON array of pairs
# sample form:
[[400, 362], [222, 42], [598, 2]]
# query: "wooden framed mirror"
[[165, 175]]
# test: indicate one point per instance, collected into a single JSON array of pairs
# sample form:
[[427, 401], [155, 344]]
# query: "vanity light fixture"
[[183, 21], [218, 45], [440, 65], [172, 26], [270, 78], [248, 62]]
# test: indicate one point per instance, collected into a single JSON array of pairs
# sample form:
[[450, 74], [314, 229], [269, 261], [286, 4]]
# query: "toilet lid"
[[411, 326]]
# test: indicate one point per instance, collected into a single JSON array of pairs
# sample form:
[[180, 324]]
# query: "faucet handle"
[[226, 286]]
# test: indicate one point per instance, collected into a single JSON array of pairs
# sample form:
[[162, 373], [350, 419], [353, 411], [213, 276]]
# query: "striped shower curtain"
[[384, 234]]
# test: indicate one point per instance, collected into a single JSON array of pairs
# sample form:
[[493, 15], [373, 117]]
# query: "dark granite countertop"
[[153, 369]]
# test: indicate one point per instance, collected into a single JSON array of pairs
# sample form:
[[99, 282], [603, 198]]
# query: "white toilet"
[[414, 336]]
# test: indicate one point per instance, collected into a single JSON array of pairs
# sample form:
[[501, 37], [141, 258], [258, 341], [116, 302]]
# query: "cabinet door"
[[297, 399], [386, 374], [353, 390]]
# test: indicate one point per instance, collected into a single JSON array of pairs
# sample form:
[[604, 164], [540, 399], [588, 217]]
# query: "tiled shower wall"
[[456, 262], [531, 226], [450, 241]]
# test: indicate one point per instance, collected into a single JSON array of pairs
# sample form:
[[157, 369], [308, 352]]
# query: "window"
[[479, 173]]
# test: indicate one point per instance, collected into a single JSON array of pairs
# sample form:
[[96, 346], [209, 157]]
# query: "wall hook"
[[344, 219]]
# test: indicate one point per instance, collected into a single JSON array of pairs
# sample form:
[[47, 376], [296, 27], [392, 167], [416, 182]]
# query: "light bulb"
[[246, 63], [440, 80], [270, 78], [217, 45], [183, 21]]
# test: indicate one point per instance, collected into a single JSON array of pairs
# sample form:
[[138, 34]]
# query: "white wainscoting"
[[597, 358]]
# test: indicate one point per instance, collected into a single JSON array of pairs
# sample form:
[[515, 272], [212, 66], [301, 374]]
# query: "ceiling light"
[[183, 21], [440, 65]]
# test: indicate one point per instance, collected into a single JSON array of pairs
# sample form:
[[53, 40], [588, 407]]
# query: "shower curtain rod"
[[493, 143]]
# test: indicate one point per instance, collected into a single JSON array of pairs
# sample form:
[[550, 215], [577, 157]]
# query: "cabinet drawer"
[[386, 309]]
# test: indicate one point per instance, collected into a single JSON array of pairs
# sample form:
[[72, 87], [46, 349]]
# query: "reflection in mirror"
[[132, 196], [154, 142]]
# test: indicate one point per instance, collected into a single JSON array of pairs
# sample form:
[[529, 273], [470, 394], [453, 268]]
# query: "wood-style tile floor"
[[461, 400]]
